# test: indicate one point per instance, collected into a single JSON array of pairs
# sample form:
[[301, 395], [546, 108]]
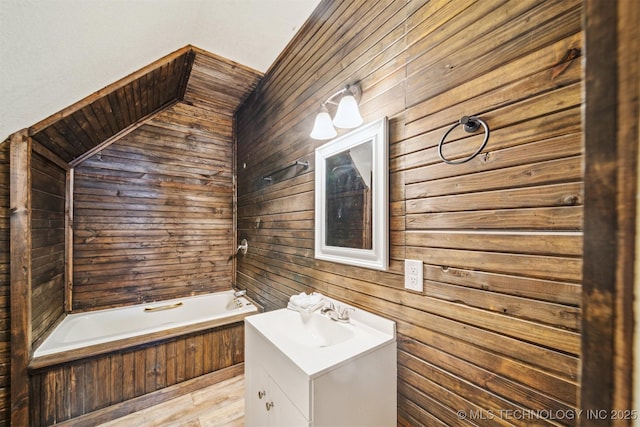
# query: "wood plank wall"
[[20, 291], [154, 212], [498, 325], [610, 270], [182, 185], [83, 126], [68, 391], [5, 304], [48, 244]]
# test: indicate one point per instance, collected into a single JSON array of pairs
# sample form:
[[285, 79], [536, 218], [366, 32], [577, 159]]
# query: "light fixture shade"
[[323, 128], [348, 115]]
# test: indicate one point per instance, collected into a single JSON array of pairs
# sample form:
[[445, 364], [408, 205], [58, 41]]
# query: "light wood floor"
[[221, 404]]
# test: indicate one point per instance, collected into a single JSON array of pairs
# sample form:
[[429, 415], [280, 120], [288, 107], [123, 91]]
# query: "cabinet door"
[[282, 411], [266, 404], [256, 396]]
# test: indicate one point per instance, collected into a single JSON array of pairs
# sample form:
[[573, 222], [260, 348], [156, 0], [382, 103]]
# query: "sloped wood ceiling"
[[230, 82], [190, 74]]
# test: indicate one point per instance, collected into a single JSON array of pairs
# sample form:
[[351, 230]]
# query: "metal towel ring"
[[470, 124]]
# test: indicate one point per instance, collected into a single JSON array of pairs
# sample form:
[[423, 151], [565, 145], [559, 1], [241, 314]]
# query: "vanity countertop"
[[317, 344]]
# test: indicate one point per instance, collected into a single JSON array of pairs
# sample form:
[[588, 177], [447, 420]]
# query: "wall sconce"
[[347, 114]]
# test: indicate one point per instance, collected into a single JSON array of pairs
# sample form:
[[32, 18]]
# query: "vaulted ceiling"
[[56, 52], [189, 74]]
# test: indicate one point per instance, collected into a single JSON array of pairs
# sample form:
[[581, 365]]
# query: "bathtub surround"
[[105, 363], [154, 212], [132, 195], [119, 382]]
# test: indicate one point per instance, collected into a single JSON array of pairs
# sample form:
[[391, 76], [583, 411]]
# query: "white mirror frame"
[[378, 257]]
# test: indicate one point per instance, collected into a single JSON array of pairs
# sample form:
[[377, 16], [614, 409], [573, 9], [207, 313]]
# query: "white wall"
[[56, 52]]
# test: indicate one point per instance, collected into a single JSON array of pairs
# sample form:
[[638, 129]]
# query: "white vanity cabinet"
[[352, 383], [269, 405], [265, 402]]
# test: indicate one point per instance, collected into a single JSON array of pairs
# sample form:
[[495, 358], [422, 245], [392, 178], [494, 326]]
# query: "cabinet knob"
[[261, 394], [269, 405]]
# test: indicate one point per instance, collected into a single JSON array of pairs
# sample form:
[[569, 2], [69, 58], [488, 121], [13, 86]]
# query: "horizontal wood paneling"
[[218, 84], [48, 244], [498, 324], [153, 215], [67, 391]]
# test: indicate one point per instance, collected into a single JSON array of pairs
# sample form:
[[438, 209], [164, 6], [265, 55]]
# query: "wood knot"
[[571, 200], [564, 62]]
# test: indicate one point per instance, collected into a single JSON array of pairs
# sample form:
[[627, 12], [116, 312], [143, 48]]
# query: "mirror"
[[351, 223]]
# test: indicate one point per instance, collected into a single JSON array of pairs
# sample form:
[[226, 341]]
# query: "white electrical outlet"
[[413, 275]]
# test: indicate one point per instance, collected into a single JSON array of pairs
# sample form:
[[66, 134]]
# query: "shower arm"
[[243, 248]]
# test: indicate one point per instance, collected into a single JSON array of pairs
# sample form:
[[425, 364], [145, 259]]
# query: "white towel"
[[302, 301]]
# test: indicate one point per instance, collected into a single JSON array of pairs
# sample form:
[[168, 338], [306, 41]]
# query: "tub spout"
[[235, 303]]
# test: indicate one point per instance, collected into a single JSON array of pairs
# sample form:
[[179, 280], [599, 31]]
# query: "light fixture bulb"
[[323, 127], [348, 115]]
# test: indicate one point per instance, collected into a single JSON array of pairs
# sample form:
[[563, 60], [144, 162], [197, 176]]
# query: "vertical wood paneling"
[[81, 127], [20, 272], [128, 380], [600, 221], [76, 388], [498, 325], [612, 117], [628, 136], [5, 268]]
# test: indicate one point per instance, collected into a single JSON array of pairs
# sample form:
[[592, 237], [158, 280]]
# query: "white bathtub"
[[98, 327]]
